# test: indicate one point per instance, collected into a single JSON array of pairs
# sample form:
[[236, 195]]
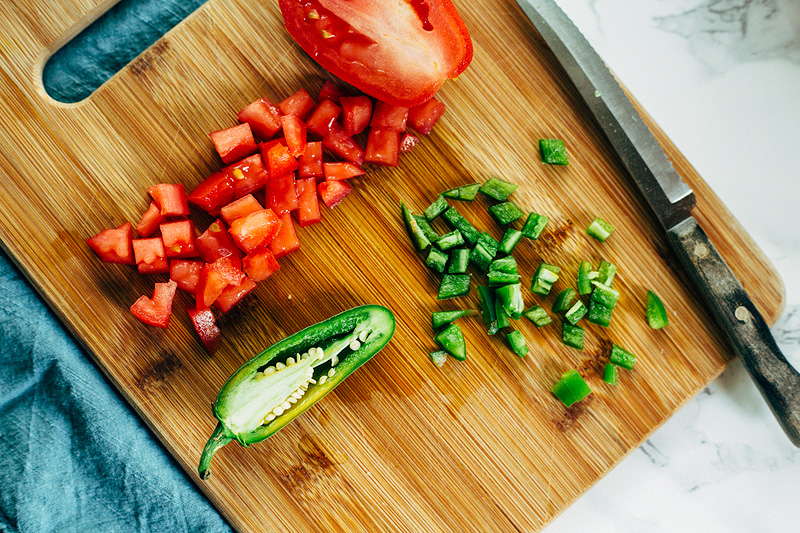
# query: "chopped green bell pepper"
[[498, 189], [451, 340], [465, 193]]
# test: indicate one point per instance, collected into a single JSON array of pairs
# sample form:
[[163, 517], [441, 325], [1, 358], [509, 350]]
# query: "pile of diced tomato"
[[281, 161]]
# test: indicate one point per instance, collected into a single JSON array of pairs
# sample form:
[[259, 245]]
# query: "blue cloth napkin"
[[73, 455]]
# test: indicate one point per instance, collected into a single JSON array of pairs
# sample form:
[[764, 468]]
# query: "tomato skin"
[[234, 143], [114, 245], [333, 192], [216, 242], [383, 147], [151, 257], [308, 211], [263, 117], [356, 113], [211, 193], [214, 277], [239, 208], [407, 71], [342, 171], [156, 311], [151, 220], [300, 104], [185, 273], [260, 264], [205, 325], [389, 117], [408, 142], [311, 161], [423, 117], [233, 294], [338, 142], [279, 159], [286, 241], [247, 175]]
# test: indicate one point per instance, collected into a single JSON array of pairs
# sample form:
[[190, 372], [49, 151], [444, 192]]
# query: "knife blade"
[[672, 202]]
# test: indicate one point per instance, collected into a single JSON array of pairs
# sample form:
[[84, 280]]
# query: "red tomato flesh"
[[234, 143], [333, 192], [338, 142], [178, 238], [170, 198], [399, 52], [151, 220], [407, 142], [151, 258], [383, 147], [213, 192], [263, 117], [330, 91], [233, 294], [156, 311], [185, 273], [247, 175], [285, 242], [294, 131], [216, 242], [356, 113], [254, 230], [300, 104], [239, 208], [322, 118], [260, 264], [308, 211], [423, 117], [341, 171], [311, 161], [114, 245], [282, 195], [389, 117], [204, 324], [279, 159]]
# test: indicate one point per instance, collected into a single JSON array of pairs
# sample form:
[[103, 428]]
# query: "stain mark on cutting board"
[[157, 373]]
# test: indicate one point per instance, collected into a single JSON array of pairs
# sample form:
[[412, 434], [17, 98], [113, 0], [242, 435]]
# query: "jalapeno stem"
[[217, 440]]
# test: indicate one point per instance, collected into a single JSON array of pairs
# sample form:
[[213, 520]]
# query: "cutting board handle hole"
[[108, 44]]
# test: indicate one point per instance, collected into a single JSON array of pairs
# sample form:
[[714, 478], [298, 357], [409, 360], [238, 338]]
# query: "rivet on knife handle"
[[743, 325]]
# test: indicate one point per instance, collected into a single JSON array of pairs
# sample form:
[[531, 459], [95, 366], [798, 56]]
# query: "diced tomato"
[[278, 157], [285, 242], [233, 294], [260, 264], [170, 198], [185, 273], [383, 147], [247, 175], [151, 220], [178, 238], [263, 117], [254, 230], [213, 192], [311, 161], [345, 147], [356, 112], [216, 242], [300, 104], [151, 258], [282, 195], [322, 118], [333, 192], [330, 92], [114, 245], [308, 211], [341, 171], [238, 208], [214, 277], [294, 131], [389, 117], [423, 117], [156, 311], [407, 142], [399, 52], [205, 325], [234, 143]]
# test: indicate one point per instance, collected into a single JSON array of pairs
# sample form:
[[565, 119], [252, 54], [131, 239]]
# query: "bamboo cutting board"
[[401, 445]]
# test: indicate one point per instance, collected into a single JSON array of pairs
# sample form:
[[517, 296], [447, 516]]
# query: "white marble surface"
[[722, 78]]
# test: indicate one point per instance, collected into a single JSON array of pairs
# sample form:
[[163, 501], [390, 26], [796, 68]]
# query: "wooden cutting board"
[[479, 445]]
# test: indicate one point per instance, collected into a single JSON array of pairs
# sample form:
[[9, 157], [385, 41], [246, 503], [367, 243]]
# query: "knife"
[[672, 202]]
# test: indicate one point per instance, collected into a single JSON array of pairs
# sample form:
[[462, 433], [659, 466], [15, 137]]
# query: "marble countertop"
[[721, 77]]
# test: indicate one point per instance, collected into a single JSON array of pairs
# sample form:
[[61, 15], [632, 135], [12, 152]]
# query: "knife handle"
[[743, 325]]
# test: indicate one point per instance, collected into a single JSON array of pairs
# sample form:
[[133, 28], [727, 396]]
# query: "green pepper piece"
[[442, 318], [534, 225], [480, 257], [621, 357], [457, 221], [584, 282], [509, 241], [507, 265], [572, 335], [541, 287], [439, 358], [502, 315], [600, 229], [488, 312], [576, 313], [538, 316], [426, 228], [510, 297], [451, 340], [498, 279], [599, 314], [436, 260], [465, 193], [450, 240], [547, 272], [656, 313], [553, 152], [564, 300], [438, 207], [571, 388], [418, 238], [610, 374], [505, 213], [605, 273], [459, 261], [517, 343], [498, 189], [453, 286], [605, 295], [489, 243], [254, 403]]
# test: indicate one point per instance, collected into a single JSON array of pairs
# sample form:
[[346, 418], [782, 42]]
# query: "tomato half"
[[398, 52]]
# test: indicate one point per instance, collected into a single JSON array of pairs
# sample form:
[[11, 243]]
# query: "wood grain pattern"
[[401, 445]]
